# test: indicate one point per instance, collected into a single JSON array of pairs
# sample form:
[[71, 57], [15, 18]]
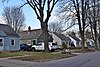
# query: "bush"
[[64, 46], [74, 48], [64, 52]]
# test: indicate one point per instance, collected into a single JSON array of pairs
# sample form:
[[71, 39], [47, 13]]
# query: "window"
[[29, 42], [77, 43], [1, 42], [54, 43], [12, 42]]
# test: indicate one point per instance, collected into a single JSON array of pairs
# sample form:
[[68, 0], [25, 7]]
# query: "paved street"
[[83, 60]]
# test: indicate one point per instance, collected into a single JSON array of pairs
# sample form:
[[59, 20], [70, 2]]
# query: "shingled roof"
[[32, 34], [74, 37], [62, 37], [7, 31]]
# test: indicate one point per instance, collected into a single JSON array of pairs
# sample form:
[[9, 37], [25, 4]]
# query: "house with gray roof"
[[32, 37], [75, 40], [9, 39], [60, 39]]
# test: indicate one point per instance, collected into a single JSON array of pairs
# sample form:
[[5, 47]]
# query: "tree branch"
[[33, 6]]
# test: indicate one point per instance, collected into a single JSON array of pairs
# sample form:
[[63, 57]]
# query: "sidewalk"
[[15, 63], [8, 62], [14, 57]]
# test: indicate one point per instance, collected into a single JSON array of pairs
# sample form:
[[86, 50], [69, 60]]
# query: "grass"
[[35, 56], [12, 54], [42, 56]]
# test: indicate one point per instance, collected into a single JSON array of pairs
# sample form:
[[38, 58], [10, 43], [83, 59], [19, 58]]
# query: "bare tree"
[[38, 7], [41, 7], [60, 27], [14, 17], [94, 19], [56, 27], [99, 33], [77, 9], [84, 10]]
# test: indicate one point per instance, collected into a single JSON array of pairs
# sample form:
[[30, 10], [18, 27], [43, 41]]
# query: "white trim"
[[39, 34], [11, 41], [28, 43]]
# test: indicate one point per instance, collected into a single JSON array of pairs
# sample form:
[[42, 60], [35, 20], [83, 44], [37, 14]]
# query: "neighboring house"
[[32, 37], [60, 39], [9, 39], [89, 43], [75, 40]]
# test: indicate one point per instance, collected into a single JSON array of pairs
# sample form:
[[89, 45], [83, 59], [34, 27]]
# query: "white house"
[[60, 39], [9, 39], [89, 43], [75, 40]]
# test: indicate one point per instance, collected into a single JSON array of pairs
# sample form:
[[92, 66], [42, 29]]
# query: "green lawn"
[[42, 56], [35, 56], [12, 54]]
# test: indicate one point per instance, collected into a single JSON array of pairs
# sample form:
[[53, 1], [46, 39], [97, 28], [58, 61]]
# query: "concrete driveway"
[[83, 60]]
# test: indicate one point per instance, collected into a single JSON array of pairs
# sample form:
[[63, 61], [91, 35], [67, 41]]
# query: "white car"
[[40, 46]]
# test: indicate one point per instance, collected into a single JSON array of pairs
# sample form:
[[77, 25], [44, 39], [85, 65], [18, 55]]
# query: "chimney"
[[29, 28]]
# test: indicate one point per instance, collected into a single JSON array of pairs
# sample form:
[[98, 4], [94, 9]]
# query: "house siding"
[[6, 43], [15, 47], [26, 41], [9, 47], [57, 40], [2, 45], [23, 42], [41, 38], [6, 33], [72, 40], [76, 43]]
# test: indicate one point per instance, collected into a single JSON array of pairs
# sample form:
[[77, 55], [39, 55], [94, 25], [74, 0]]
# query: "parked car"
[[40, 46], [25, 47], [54, 46]]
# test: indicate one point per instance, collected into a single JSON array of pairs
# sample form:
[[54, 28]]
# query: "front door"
[[1, 44]]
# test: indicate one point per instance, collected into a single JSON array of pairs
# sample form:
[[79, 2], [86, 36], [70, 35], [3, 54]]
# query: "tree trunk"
[[95, 25], [99, 40], [44, 27], [83, 40], [95, 39], [81, 32], [99, 37]]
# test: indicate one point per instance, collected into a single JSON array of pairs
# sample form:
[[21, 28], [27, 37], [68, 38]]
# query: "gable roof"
[[74, 37], [8, 31], [62, 37], [32, 34]]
